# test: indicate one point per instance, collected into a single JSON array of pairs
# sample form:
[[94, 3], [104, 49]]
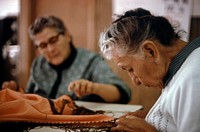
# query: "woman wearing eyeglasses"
[[64, 69]]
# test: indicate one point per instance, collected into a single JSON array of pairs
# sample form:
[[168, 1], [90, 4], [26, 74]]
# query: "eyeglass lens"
[[51, 41]]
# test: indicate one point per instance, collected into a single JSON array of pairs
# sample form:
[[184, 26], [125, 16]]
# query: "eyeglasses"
[[53, 40]]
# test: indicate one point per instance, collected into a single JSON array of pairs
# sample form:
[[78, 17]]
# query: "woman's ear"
[[149, 49]]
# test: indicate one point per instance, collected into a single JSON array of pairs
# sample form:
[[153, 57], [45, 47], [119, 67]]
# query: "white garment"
[[178, 107]]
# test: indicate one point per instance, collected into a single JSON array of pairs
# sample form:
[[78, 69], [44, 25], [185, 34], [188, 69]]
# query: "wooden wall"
[[85, 19]]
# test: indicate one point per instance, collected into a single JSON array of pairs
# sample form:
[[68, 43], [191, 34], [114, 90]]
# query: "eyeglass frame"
[[52, 40]]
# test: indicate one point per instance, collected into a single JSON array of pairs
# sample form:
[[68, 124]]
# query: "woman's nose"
[[134, 79], [50, 47]]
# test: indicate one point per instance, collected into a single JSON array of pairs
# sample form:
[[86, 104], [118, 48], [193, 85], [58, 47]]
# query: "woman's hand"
[[138, 113], [131, 123], [84, 87], [81, 87], [11, 85]]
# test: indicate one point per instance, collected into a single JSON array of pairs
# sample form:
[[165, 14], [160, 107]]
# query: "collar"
[[67, 63], [179, 59]]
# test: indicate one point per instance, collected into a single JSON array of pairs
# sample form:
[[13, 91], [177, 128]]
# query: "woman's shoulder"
[[39, 60], [86, 53]]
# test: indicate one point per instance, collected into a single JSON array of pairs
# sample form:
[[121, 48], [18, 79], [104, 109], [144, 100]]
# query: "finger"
[[123, 120], [121, 128], [114, 129], [130, 113], [89, 88], [5, 85], [77, 89], [83, 88], [14, 85], [71, 87], [11, 85]]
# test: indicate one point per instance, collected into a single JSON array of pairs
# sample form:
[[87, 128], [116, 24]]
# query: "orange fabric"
[[15, 106]]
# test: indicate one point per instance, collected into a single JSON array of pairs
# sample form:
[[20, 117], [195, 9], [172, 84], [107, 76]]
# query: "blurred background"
[[85, 19]]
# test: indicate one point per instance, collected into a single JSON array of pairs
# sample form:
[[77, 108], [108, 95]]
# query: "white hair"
[[109, 47]]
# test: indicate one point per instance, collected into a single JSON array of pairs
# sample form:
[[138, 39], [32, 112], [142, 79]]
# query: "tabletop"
[[114, 110]]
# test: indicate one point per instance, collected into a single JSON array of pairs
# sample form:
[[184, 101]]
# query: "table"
[[115, 110]]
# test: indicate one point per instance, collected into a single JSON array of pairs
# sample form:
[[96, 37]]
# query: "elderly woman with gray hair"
[[151, 50]]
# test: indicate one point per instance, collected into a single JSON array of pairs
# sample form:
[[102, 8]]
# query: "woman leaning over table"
[[150, 49]]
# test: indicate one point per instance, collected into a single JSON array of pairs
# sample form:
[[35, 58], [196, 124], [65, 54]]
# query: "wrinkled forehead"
[[114, 51], [122, 61]]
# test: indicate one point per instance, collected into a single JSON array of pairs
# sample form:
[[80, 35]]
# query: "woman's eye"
[[123, 68], [127, 69], [130, 70]]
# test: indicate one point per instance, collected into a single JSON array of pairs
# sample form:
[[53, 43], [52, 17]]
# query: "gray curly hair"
[[127, 33]]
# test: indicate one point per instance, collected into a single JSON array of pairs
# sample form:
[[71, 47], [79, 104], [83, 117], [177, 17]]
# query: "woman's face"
[[141, 70], [52, 45]]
